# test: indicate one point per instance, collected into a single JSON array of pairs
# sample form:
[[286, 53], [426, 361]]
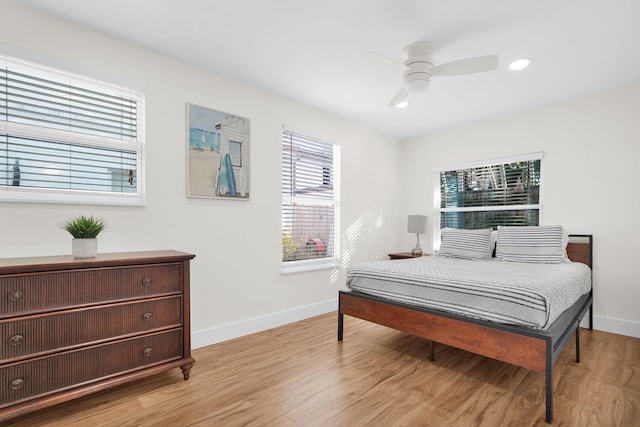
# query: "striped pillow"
[[542, 244], [467, 244]]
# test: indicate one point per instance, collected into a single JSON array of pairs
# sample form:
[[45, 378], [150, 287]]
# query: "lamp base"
[[417, 250]]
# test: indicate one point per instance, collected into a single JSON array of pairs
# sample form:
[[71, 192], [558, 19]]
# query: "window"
[[491, 193], [310, 202], [67, 138]]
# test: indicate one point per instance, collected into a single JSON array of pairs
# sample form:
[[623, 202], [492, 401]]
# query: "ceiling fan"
[[418, 67]]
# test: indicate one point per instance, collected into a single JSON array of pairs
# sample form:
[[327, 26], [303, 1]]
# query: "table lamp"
[[417, 224]]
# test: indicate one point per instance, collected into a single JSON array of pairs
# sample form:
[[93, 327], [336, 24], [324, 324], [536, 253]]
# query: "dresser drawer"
[[37, 334], [29, 293], [24, 380]]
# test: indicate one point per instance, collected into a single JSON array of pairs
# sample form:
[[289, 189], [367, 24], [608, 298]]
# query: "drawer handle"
[[147, 352], [17, 384], [147, 316], [16, 296], [16, 340], [147, 281]]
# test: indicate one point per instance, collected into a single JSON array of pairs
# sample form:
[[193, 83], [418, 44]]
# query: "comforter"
[[516, 293]]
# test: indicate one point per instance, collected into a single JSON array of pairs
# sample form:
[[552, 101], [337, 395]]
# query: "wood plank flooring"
[[299, 375]]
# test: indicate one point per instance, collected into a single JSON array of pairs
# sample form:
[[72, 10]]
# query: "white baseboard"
[[616, 326], [229, 331]]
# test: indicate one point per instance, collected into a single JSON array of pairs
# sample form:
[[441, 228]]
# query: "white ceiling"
[[310, 50]]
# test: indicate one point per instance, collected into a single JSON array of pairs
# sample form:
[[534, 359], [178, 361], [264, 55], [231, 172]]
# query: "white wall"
[[591, 183], [236, 282]]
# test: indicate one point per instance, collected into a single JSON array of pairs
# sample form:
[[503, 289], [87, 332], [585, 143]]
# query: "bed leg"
[[340, 325], [549, 385], [432, 351], [578, 344]]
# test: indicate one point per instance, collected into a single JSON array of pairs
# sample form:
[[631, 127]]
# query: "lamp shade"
[[417, 224]]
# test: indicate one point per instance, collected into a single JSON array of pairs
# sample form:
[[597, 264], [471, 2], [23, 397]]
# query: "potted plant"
[[85, 230]]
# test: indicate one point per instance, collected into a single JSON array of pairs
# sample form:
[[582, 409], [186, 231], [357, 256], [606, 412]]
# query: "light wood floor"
[[299, 375]]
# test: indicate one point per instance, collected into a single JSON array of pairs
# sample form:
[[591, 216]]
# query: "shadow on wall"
[[367, 223]]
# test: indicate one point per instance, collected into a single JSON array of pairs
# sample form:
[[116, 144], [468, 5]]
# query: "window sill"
[[308, 265], [29, 195]]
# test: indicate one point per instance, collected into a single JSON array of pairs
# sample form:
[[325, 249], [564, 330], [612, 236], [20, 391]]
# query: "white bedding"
[[524, 294]]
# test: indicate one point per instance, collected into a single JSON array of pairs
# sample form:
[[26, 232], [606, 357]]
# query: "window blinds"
[[490, 195], [310, 197], [63, 132]]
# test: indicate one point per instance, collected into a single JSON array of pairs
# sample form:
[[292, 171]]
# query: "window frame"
[[125, 144], [483, 163], [301, 265]]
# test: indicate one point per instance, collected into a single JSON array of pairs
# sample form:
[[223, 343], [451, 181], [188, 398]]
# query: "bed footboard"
[[517, 349]]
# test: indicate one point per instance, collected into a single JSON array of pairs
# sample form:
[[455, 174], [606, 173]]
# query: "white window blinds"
[[310, 199], [506, 192], [67, 138]]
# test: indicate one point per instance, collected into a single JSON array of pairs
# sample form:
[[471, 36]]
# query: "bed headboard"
[[580, 248]]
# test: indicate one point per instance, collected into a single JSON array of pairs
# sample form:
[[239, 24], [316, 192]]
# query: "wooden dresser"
[[70, 327]]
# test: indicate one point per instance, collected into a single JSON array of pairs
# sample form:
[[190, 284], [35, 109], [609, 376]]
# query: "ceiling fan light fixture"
[[417, 85], [520, 64]]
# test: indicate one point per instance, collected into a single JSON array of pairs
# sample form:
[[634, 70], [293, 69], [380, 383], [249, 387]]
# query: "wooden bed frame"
[[529, 348]]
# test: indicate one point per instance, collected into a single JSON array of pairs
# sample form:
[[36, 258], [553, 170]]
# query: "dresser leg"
[[186, 370]]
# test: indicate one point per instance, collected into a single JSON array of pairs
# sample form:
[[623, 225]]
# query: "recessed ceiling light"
[[401, 104], [520, 64]]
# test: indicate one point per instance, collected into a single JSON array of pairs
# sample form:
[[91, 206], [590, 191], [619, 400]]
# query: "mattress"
[[514, 293]]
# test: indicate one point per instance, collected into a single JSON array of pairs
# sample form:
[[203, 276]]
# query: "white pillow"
[[467, 244], [540, 244]]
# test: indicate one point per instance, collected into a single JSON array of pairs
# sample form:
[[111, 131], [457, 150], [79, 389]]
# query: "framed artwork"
[[217, 154]]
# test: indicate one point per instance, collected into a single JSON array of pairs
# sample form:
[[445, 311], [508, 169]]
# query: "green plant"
[[84, 227], [289, 247]]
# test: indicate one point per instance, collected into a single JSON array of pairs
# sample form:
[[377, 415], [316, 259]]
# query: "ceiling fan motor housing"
[[419, 63]]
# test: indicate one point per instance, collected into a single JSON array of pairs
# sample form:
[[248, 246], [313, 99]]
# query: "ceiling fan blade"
[[478, 64], [400, 96], [385, 60]]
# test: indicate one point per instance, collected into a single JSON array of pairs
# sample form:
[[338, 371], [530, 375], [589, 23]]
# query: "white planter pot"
[[84, 248]]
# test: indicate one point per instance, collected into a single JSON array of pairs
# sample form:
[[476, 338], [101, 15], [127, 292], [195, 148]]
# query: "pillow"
[[467, 244], [541, 244]]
